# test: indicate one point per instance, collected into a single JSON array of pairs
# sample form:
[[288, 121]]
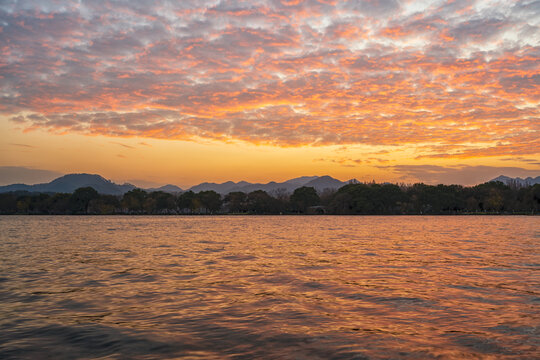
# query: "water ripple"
[[237, 287]]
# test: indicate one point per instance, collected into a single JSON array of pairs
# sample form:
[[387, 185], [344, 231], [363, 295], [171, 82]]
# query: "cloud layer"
[[454, 78], [458, 174], [18, 174]]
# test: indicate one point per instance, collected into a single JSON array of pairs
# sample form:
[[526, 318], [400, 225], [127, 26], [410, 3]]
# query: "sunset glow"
[[192, 91]]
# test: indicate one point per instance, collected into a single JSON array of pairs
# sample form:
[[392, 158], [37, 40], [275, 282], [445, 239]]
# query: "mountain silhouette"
[[325, 182], [71, 182], [173, 189], [517, 181], [320, 183]]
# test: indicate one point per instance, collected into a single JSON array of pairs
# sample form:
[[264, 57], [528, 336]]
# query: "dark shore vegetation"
[[355, 199]]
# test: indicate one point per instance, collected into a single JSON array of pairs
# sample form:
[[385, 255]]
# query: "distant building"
[[316, 210]]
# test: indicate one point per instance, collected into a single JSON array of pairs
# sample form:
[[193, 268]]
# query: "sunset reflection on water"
[[289, 287]]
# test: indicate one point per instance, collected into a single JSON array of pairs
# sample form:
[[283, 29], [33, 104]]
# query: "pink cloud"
[[287, 73]]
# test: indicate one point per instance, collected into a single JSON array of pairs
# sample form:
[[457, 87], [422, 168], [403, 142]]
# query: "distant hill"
[[517, 181], [320, 183], [172, 189], [301, 180], [325, 182], [71, 182], [223, 188]]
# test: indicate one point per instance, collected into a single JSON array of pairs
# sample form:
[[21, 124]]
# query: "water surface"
[[270, 287]]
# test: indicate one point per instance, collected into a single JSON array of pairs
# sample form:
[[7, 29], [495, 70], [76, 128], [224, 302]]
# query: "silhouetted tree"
[[8, 203], [326, 196], [236, 202], [58, 203], [259, 202], [372, 198], [304, 197], [440, 199], [133, 201], [79, 200], [104, 205], [352, 199], [160, 202], [210, 200], [185, 201]]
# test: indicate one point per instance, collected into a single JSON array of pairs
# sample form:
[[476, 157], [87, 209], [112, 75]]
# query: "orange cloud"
[[272, 72]]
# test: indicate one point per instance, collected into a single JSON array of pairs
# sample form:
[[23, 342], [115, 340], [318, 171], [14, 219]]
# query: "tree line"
[[351, 199]]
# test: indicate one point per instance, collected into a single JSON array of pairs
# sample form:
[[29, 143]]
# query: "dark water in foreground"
[[270, 287]]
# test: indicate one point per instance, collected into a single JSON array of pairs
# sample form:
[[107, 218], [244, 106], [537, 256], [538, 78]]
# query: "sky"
[[188, 91]]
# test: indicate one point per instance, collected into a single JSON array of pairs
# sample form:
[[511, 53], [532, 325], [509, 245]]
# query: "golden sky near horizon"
[[388, 90]]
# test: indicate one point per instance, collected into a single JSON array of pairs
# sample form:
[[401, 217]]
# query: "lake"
[[270, 287]]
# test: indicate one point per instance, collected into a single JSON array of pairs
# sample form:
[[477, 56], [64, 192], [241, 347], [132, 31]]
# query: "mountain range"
[[320, 183], [71, 182], [518, 181]]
